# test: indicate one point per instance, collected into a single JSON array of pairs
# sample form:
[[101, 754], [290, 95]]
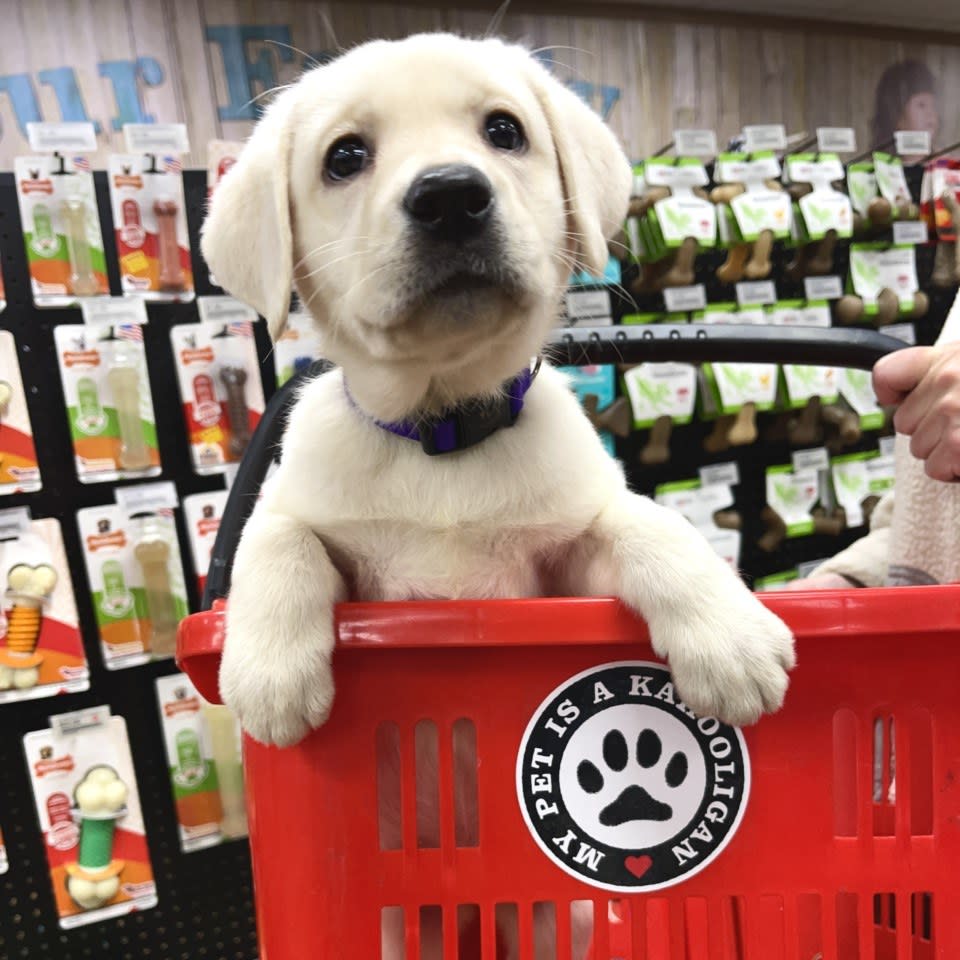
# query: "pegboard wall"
[[205, 905], [205, 900]]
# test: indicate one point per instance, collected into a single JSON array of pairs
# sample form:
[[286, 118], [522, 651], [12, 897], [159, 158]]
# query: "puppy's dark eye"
[[346, 158], [504, 132]]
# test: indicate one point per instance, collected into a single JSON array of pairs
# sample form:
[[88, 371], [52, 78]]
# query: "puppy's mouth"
[[464, 283]]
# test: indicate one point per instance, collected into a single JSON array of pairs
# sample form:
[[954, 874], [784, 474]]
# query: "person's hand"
[[819, 581], [924, 382]]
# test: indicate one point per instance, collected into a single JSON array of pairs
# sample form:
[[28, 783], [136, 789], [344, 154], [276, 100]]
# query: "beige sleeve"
[[866, 560]]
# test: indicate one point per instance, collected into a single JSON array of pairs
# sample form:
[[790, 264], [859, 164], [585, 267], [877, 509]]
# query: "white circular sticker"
[[623, 786]]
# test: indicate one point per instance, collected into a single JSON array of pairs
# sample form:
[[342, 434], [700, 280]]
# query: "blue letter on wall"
[[243, 73], [123, 76], [23, 98], [67, 91]]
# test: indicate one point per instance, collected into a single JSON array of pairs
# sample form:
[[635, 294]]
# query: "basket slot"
[[884, 775], [427, 775], [389, 811], [469, 932], [544, 931], [431, 934], [393, 939], [465, 788], [508, 927]]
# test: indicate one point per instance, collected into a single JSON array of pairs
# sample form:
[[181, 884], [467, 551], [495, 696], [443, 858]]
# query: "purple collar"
[[466, 424]]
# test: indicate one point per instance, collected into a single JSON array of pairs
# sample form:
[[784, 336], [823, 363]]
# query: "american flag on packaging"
[[240, 328], [81, 164], [129, 331], [173, 164]]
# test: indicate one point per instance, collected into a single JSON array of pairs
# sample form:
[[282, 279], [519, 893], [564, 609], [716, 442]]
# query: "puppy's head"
[[429, 199]]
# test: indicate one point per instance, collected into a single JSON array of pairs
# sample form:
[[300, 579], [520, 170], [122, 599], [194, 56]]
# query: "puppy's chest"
[[403, 561]]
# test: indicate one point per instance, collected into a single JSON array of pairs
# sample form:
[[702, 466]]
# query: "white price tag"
[[756, 292], [912, 142], [64, 724], [680, 299], [767, 136], [910, 231], [902, 331], [592, 305], [695, 143], [220, 309], [815, 459], [156, 138], [717, 473], [113, 311], [146, 497], [687, 177], [13, 522], [62, 137], [836, 139], [823, 288]]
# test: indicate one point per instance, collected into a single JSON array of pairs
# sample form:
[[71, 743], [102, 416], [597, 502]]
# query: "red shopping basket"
[[848, 847]]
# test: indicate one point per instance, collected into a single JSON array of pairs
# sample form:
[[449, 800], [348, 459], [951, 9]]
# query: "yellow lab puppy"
[[429, 198]]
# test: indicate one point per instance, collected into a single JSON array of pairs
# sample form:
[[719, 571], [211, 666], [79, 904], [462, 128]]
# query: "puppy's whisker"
[[273, 91], [308, 58], [326, 246], [496, 21], [330, 263], [563, 46]]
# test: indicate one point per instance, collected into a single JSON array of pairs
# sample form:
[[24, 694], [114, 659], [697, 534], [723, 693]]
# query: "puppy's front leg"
[[275, 673], [728, 654]]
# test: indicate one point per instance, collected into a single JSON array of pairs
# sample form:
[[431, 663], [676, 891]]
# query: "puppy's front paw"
[[279, 692], [730, 663]]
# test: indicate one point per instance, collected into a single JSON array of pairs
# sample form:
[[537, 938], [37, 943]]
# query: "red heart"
[[638, 866]]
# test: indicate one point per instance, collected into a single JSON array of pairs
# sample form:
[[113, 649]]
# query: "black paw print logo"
[[634, 802]]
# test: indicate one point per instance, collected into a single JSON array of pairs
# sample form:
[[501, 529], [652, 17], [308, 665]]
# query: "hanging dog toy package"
[[202, 513], [149, 213], [135, 572], [19, 472], [58, 209], [103, 367], [41, 648], [202, 741], [86, 795], [220, 386]]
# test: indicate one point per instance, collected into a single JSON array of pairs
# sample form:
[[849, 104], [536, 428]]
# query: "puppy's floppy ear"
[[247, 238], [596, 174]]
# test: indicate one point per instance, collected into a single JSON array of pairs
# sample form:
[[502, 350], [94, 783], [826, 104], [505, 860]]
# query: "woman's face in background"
[[920, 113]]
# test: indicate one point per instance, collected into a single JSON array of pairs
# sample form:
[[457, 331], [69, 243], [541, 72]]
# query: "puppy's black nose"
[[452, 202]]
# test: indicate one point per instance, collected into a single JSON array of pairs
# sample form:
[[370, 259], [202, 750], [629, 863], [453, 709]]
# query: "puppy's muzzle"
[[450, 203]]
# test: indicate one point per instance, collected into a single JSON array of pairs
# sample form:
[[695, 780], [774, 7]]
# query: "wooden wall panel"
[[187, 61]]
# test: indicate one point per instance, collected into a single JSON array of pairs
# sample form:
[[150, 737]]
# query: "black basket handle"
[[573, 346]]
